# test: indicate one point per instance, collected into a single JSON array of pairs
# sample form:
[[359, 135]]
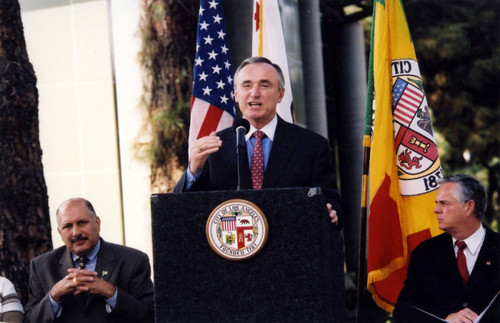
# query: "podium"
[[297, 276]]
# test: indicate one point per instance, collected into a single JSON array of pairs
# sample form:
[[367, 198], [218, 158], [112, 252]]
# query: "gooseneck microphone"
[[241, 126]]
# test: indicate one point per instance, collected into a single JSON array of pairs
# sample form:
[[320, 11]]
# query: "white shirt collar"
[[474, 240], [269, 129]]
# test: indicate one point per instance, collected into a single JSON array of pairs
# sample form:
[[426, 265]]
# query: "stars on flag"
[[204, 26], [203, 76], [213, 4], [212, 104], [212, 68], [217, 19]]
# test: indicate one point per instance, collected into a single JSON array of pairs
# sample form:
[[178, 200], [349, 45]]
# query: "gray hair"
[[469, 188], [262, 60]]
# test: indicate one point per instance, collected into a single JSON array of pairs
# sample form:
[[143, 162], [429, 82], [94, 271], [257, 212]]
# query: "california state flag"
[[268, 41], [404, 161]]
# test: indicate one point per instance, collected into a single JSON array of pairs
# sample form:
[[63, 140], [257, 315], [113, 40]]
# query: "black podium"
[[297, 276]]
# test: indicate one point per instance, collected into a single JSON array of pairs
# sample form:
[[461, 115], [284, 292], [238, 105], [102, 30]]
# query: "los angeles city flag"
[[404, 161], [268, 41]]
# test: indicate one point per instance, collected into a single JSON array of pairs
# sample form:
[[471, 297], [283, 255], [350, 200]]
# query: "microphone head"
[[242, 123]]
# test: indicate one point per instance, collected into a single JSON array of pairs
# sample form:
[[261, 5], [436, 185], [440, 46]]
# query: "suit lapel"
[[105, 261], [448, 261], [65, 262], [104, 266], [282, 148], [485, 261]]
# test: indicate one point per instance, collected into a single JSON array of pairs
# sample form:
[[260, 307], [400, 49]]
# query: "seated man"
[[456, 275], [89, 279]]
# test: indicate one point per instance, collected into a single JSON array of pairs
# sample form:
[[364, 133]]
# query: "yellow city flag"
[[404, 160]]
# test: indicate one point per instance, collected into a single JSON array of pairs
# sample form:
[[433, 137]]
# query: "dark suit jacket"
[[433, 281], [126, 268], [298, 158]]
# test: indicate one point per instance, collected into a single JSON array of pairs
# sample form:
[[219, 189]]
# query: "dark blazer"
[[126, 268], [298, 158], [433, 281]]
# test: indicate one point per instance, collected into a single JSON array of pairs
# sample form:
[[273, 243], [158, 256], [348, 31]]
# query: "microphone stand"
[[240, 143], [241, 127]]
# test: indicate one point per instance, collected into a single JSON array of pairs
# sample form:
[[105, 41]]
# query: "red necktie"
[[462, 263], [257, 161]]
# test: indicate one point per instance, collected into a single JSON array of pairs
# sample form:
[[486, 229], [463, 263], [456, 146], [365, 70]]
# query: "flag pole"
[[362, 270], [363, 227]]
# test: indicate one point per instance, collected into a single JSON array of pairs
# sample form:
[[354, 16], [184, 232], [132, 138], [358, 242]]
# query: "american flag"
[[212, 101], [406, 101]]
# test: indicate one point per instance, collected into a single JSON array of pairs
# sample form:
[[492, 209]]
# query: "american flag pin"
[[488, 263], [104, 273]]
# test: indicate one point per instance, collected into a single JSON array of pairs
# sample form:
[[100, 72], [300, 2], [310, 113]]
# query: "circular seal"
[[419, 167], [237, 229]]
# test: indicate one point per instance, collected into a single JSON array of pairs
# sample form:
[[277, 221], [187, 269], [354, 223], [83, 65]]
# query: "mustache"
[[79, 238]]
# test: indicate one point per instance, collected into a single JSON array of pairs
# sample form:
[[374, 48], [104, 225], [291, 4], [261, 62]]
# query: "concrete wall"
[[84, 53]]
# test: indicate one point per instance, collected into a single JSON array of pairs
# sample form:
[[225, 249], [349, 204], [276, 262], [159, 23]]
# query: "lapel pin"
[[488, 263], [104, 273]]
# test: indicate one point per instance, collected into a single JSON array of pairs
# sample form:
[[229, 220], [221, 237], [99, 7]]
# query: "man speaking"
[[279, 154], [88, 279]]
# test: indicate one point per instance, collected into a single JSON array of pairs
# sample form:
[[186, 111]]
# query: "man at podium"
[[279, 154]]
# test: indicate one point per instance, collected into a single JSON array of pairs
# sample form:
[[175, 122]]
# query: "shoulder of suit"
[[491, 232], [122, 250], [49, 254], [433, 242], [494, 236], [300, 131]]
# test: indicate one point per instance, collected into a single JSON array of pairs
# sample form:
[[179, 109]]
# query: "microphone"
[[241, 126]]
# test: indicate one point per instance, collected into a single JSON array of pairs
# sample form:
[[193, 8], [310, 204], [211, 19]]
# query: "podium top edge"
[[311, 191]]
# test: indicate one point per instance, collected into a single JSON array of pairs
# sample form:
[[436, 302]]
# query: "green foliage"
[[458, 50], [169, 126], [168, 30]]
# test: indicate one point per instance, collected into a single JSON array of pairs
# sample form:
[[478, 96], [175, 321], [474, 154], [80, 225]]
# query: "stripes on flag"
[[212, 102], [228, 223], [406, 100]]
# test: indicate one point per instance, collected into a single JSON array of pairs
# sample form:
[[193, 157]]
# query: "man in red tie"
[[456, 275], [280, 154]]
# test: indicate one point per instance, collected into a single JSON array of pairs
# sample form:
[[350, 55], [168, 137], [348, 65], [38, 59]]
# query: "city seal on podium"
[[237, 229]]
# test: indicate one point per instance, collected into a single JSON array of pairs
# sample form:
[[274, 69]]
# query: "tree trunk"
[[167, 56], [24, 212]]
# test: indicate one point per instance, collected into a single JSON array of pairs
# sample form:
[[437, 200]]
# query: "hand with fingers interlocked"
[[78, 281]]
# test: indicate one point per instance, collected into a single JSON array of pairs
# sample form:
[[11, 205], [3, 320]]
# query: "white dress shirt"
[[474, 243]]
